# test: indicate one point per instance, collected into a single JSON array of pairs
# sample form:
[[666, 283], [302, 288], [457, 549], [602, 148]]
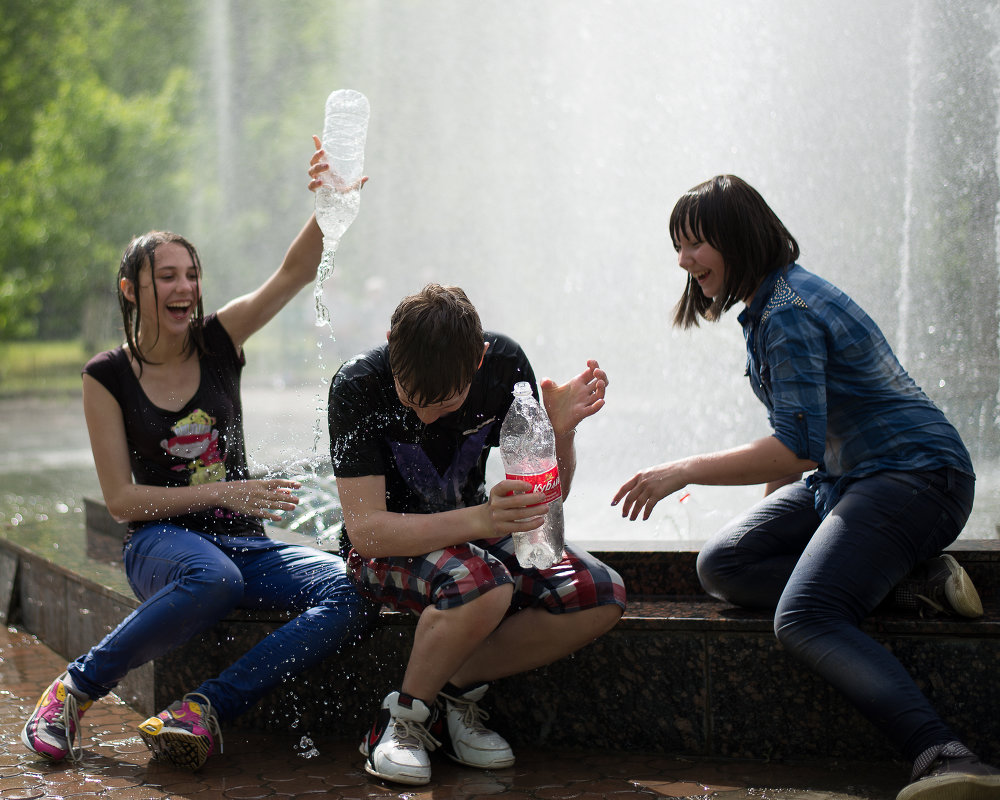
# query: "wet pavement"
[[117, 766]]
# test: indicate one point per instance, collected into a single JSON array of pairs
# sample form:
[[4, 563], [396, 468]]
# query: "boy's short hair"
[[435, 343]]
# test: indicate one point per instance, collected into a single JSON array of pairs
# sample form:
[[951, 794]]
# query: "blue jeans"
[[823, 577], [188, 582]]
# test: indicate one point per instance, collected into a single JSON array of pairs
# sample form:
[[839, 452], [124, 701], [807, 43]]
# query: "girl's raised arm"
[[246, 315]]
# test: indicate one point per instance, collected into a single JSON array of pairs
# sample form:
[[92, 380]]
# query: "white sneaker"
[[468, 741], [397, 744], [937, 586]]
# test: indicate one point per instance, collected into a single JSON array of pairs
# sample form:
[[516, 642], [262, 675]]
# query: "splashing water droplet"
[[325, 271]]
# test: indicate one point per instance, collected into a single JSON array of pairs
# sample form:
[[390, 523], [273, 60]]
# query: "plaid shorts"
[[455, 575]]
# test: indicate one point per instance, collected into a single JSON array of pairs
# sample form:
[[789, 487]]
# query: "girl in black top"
[[165, 422]]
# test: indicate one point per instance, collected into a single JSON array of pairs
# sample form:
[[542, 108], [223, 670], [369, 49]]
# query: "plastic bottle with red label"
[[528, 450]]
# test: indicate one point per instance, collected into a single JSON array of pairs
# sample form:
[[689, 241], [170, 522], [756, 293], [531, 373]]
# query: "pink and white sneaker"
[[185, 733], [51, 730]]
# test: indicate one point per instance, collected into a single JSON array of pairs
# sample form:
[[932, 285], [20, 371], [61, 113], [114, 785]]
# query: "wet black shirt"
[[427, 468], [201, 443]]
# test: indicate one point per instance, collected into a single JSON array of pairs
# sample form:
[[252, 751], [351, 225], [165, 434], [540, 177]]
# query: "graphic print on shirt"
[[439, 492], [197, 442]]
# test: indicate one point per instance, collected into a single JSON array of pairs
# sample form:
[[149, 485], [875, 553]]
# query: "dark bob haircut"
[[729, 214]]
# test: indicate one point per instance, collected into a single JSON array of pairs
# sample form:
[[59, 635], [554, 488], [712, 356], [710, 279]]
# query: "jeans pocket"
[[943, 533], [945, 496]]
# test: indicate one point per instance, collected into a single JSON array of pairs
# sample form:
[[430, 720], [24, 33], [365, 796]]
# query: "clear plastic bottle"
[[345, 130], [528, 450]]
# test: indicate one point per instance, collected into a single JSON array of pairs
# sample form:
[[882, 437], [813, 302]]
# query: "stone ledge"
[[668, 571], [680, 674]]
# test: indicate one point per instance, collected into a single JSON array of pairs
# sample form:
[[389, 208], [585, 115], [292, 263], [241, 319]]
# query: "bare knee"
[[600, 620], [478, 618], [608, 615]]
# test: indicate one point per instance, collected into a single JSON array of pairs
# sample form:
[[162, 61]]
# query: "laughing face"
[[170, 307], [702, 262]]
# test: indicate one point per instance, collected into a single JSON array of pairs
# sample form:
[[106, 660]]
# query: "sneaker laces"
[[208, 716], [936, 605], [69, 716], [472, 715], [411, 734], [906, 597]]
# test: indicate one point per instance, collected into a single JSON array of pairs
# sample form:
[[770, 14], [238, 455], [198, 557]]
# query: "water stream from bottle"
[[338, 200], [325, 271]]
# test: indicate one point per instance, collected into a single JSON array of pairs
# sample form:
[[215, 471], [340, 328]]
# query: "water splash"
[[994, 19], [322, 274], [306, 748], [336, 209], [903, 293]]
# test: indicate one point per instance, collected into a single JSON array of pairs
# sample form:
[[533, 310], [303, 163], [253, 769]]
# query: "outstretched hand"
[[647, 488], [318, 166], [580, 397]]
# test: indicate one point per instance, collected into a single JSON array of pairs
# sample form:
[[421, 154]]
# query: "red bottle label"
[[547, 483]]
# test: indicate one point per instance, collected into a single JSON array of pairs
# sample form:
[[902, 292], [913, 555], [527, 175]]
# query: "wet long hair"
[[435, 343], [141, 251], [729, 214]]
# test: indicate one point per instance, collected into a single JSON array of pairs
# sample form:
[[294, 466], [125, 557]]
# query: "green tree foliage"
[[95, 145], [120, 116], [265, 73], [26, 74]]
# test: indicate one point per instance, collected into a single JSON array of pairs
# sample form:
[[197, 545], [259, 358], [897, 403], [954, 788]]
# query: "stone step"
[[680, 674]]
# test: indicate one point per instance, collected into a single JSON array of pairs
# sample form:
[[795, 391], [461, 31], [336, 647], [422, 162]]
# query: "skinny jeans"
[[823, 576], [187, 582]]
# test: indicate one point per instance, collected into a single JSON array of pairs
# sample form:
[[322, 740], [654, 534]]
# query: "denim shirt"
[[834, 391]]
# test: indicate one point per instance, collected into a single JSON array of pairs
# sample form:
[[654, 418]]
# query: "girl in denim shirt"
[[890, 483]]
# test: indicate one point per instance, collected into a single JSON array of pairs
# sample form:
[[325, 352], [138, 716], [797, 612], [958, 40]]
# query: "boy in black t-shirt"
[[411, 426]]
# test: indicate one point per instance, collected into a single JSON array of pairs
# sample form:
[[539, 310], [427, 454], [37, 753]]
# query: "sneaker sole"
[[409, 780], [961, 593], [498, 764], [181, 748], [953, 787], [47, 756]]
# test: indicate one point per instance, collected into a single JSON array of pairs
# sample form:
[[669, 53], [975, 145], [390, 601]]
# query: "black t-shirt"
[[427, 468], [201, 443]]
